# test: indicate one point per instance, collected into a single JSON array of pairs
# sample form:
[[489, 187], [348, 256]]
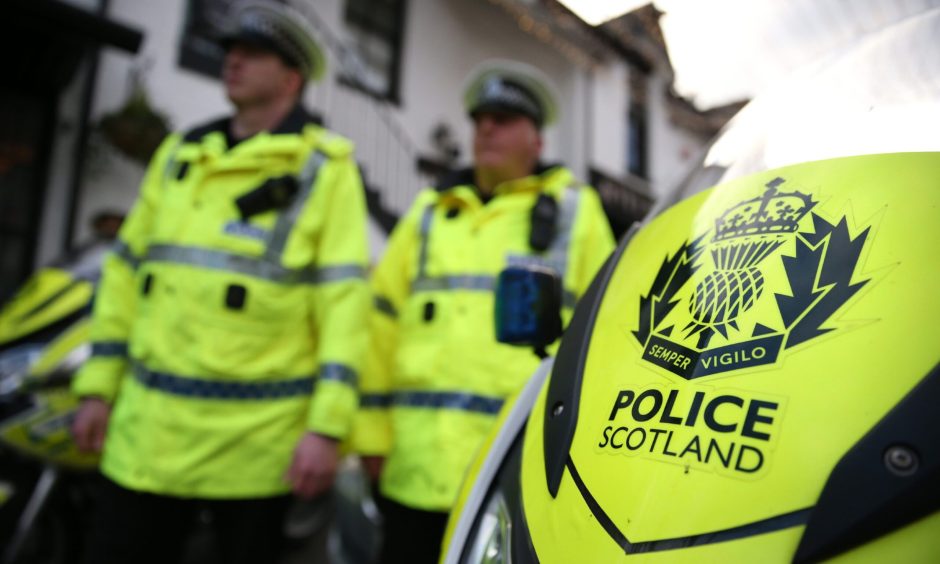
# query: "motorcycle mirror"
[[528, 306]]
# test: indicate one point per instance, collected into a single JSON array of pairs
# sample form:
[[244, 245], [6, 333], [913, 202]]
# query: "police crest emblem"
[[698, 325]]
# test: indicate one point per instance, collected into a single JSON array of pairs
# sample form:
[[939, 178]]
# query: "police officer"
[[226, 332], [435, 376]]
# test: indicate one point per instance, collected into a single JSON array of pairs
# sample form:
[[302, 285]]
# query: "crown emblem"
[[745, 235], [772, 213]]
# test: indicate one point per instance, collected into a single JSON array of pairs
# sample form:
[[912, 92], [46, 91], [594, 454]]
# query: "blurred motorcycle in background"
[[45, 483], [47, 487]]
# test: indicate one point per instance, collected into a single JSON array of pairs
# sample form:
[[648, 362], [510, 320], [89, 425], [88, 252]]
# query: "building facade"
[[394, 86]]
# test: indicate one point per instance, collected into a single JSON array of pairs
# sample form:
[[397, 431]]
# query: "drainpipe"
[[588, 119]]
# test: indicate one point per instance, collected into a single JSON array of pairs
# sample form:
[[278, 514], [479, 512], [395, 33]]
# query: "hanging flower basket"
[[136, 129]]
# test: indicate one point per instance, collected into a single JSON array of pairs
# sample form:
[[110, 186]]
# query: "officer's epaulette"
[[333, 145], [453, 178], [197, 133]]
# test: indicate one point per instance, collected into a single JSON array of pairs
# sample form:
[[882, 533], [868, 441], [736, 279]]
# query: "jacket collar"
[[465, 177], [293, 123], [296, 120]]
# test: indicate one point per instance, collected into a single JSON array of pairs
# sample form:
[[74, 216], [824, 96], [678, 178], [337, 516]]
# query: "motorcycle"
[[47, 487], [45, 482]]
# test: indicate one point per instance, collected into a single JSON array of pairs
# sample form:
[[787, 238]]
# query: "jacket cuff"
[[332, 409], [101, 378], [371, 433]]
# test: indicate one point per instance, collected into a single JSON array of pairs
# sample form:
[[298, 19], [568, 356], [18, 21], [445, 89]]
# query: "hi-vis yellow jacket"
[[435, 376], [220, 339]]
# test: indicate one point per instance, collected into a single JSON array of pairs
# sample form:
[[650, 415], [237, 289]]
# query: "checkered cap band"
[[282, 39], [500, 93], [280, 28]]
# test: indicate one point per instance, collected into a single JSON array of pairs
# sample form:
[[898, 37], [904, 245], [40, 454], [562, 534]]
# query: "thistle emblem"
[[745, 235]]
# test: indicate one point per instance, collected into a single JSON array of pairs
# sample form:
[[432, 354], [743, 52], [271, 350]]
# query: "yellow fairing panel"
[[748, 338], [50, 295], [43, 431]]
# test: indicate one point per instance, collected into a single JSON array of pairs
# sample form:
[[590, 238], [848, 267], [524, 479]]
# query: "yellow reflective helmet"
[[754, 374]]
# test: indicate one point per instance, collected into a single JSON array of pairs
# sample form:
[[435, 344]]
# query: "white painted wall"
[[445, 41], [608, 146], [671, 150], [186, 97]]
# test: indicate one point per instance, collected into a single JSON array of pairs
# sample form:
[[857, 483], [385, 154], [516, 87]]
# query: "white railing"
[[385, 152]]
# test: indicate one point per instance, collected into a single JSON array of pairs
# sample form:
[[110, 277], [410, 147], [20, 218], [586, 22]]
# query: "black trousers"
[[410, 535], [130, 526]]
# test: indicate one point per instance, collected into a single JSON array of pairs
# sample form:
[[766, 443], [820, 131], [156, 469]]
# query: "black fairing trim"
[[863, 499], [564, 387], [523, 551], [764, 526], [48, 332]]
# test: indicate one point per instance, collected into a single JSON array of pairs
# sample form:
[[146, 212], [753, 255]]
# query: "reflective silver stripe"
[[219, 260], [528, 261], [250, 266], [480, 282], [425, 232], [459, 401], [558, 252], [339, 273], [109, 348], [384, 305], [556, 256], [287, 218], [187, 386], [338, 373], [123, 251]]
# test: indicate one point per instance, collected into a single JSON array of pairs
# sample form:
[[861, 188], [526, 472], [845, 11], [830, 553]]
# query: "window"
[[625, 200], [636, 141], [205, 20], [637, 130], [375, 28]]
